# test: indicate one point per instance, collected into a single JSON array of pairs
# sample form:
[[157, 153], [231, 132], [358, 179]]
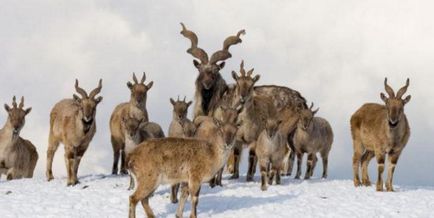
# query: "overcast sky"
[[336, 53]]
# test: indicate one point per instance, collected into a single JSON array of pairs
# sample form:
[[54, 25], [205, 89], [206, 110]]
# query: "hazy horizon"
[[335, 53]]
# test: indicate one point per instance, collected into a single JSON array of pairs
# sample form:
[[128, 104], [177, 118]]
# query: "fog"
[[336, 53]]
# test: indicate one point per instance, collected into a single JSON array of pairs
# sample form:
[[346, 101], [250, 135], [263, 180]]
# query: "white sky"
[[336, 53]]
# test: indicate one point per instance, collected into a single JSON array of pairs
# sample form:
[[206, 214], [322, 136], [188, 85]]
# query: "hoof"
[[234, 177], [357, 183], [49, 178], [174, 201], [124, 172], [249, 179], [366, 183], [263, 188]]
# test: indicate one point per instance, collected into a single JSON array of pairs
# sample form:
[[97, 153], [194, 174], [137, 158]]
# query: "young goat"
[[378, 130], [136, 108], [313, 135], [136, 132], [177, 160], [180, 127], [18, 156], [271, 149], [72, 122]]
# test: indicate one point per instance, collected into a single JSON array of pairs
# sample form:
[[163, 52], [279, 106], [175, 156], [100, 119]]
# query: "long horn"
[[135, 78], [95, 92], [388, 89], [143, 78], [184, 98], [14, 102], [311, 106], [194, 50], [224, 53], [402, 91], [242, 71], [21, 103], [80, 90]]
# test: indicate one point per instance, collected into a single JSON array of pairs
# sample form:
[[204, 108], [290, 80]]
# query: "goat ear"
[[150, 85], [98, 100], [256, 78], [383, 97], [407, 99], [221, 65], [234, 75], [189, 103], [27, 111], [172, 101], [196, 64], [7, 108], [76, 98], [129, 85]]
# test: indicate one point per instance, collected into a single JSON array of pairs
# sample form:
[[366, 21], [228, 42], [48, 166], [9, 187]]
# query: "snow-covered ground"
[[107, 196]]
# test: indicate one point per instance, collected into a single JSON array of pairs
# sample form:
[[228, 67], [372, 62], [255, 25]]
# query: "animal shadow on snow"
[[207, 203]]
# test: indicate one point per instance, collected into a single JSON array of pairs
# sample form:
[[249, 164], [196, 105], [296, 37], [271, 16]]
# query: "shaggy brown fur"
[[257, 110], [206, 128], [313, 135], [135, 108], [177, 160], [72, 122], [18, 156], [210, 85], [271, 149], [378, 130]]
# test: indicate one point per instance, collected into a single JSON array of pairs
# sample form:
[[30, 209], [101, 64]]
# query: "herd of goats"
[[274, 122]]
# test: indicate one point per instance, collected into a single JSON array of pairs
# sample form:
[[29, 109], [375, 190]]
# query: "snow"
[[107, 196]]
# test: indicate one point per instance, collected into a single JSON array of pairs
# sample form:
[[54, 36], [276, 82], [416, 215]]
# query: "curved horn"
[[388, 89], [402, 91], [311, 106], [95, 92], [14, 102], [80, 90], [224, 53], [194, 50], [21, 103], [135, 78], [184, 98], [143, 78]]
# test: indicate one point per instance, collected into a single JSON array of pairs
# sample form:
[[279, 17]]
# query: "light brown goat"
[[271, 149], [313, 135], [136, 132], [18, 156], [256, 111], [176, 160], [180, 127], [72, 122], [378, 130], [135, 108]]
